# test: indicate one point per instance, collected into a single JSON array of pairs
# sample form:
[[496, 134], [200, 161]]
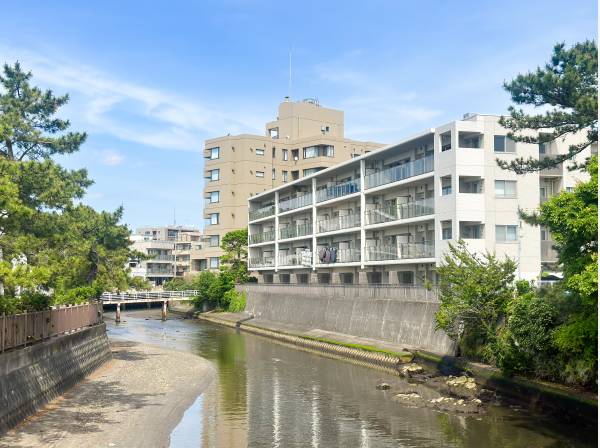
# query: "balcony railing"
[[337, 255], [261, 213], [553, 171], [301, 259], [341, 222], [400, 251], [399, 211], [261, 262], [295, 231], [335, 191], [161, 272], [161, 258], [262, 237], [396, 173], [294, 203]]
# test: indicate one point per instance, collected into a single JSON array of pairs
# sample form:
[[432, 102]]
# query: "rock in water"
[[382, 386]]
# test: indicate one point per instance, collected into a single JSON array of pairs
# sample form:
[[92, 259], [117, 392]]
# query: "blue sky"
[[150, 81]]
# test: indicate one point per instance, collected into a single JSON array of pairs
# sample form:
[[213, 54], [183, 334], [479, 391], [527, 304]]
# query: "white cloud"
[[153, 117], [111, 158]]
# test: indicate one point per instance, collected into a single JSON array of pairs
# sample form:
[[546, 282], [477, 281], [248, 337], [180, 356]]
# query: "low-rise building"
[[388, 216]]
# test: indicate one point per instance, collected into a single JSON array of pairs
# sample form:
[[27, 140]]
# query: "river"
[[271, 395]]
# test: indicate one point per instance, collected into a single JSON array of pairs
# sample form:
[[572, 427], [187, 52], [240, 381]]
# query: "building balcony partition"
[[294, 203], [261, 262], [336, 191], [400, 251], [295, 231], [263, 237], [338, 223], [399, 211], [329, 255], [261, 213], [400, 172]]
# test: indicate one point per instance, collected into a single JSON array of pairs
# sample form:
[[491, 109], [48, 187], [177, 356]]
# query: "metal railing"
[[20, 330], [294, 203], [396, 173], [290, 260], [261, 262], [295, 231], [336, 191], [159, 272], [160, 258], [341, 256], [264, 212], [341, 222], [399, 211], [399, 252], [147, 295], [263, 237]]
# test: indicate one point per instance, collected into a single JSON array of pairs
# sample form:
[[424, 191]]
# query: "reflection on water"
[[272, 395]]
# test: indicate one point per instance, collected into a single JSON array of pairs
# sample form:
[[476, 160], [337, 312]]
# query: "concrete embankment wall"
[[399, 315], [32, 376]]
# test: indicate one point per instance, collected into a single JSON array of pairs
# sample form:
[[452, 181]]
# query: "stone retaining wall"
[[381, 313], [30, 377]]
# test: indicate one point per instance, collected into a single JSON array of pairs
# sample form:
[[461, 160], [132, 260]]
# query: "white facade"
[[388, 216]]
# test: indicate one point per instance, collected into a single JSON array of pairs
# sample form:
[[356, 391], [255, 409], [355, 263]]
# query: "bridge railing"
[[151, 295], [19, 330]]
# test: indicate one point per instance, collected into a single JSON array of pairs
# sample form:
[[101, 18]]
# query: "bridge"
[[109, 298]]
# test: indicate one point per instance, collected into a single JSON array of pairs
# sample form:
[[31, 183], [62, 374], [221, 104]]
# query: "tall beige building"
[[305, 138]]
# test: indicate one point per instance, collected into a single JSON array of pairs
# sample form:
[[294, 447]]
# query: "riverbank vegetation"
[[217, 290], [548, 332], [53, 248]]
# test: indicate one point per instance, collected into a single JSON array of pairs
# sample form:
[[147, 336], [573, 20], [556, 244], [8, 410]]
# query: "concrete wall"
[[404, 316], [32, 376]]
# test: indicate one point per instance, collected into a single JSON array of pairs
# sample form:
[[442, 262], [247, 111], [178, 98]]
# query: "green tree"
[[474, 291], [568, 86], [235, 259]]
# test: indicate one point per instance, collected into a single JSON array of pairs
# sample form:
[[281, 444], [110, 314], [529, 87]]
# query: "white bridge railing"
[[148, 295]]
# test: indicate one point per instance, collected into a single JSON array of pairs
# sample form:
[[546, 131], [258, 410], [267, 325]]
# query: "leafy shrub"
[[236, 302], [77, 295], [176, 284], [34, 301]]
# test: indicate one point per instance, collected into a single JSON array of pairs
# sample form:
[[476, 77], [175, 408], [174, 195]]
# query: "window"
[[310, 171], [542, 148], [273, 174], [505, 188], [214, 241], [570, 189], [317, 151], [214, 197], [260, 152], [213, 219], [446, 230], [214, 153], [274, 132], [446, 141], [273, 152], [544, 234], [214, 175], [506, 233], [284, 175], [214, 262], [500, 144], [284, 154], [260, 174], [446, 185], [295, 154], [295, 175]]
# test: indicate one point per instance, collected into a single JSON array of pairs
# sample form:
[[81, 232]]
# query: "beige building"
[[304, 139], [387, 217]]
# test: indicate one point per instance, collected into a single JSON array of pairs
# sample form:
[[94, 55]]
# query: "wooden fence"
[[20, 330]]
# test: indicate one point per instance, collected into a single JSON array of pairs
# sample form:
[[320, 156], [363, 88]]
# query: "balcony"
[[167, 258], [401, 172], [341, 222], [400, 252], [549, 255], [159, 272], [261, 262], [301, 259], [554, 171], [399, 211], [263, 237], [264, 212], [294, 203], [336, 191], [295, 231], [336, 256]]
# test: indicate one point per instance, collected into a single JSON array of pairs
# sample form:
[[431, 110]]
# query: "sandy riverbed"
[[134, 400]]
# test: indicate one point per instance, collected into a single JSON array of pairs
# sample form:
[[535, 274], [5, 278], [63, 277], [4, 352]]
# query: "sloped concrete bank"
[[30, 377]]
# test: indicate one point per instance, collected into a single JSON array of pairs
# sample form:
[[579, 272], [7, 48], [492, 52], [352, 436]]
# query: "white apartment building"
[[389, 215]]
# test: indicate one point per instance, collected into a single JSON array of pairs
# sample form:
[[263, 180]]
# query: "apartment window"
[[284, 154], [295, 175], [260, 174], [506, 233], [214, 175], [214, 197], [214, 241], [446, 184], [446, 141], [273, 174], [505, 188], [544, 234], [569, 189], [284, 176], [214, 153], [317, 151], [274, 132], [310, 171], [260, 152], [214, 219], [214, 262], [446, 230], [295, 154], [500, 144], [273, 152], [542, 148]]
